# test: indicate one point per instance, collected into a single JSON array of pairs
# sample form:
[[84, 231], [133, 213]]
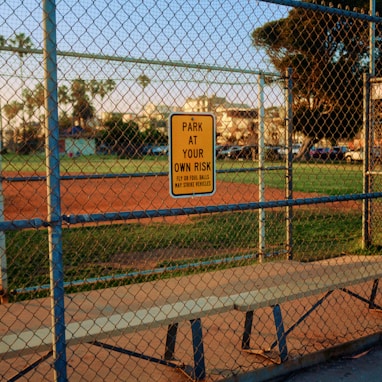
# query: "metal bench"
[[92, 323], [340, 278]]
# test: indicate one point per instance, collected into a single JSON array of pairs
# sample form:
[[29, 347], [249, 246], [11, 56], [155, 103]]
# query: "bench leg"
[[245, 343], [281, 337], [373, 294], [280, 332], [198, 372], [197, 342], [170, 342]]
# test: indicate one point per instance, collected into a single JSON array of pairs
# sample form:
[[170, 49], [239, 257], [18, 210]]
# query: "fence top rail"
[[14, 225], [144, 61], [327, 9]]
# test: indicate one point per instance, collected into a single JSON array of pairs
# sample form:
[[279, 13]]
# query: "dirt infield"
[[26, 200]]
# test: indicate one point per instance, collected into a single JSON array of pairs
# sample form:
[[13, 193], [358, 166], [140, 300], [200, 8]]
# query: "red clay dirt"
[[26, 200]]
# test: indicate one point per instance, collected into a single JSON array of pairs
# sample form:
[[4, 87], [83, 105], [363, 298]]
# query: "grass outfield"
[[324, 178], [125, 253], [128, 253]]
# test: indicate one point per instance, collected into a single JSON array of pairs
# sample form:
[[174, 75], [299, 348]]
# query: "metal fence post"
[[53, 191], [372, 38], [261, 167], [289, 159], [366, 175], [3, 255]]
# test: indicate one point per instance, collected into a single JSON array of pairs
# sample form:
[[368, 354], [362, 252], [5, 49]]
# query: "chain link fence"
[[372, 164], [105, 275]]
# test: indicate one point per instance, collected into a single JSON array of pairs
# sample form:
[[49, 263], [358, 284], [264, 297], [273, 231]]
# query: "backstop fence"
[[108, 275]]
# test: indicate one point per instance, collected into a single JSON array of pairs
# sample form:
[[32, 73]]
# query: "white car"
[[354, 155], [358, 155]]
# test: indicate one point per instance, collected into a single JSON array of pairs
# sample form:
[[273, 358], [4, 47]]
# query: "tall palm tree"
[[101, 88], [22, 44], [33, 99], [3, 41], [12, 109], [143, 81]]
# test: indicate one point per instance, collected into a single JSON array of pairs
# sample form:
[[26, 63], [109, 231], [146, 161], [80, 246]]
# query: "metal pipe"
[[38, 178], [322, 8], [289, 164], [372, 39], [261, 168], [143, 61], [3, 255], [366, 176], [17, 225], [53, 191]]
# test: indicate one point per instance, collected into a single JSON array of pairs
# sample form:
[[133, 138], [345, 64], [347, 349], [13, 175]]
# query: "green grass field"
[[324, 178], [213, 241], [91, 252]]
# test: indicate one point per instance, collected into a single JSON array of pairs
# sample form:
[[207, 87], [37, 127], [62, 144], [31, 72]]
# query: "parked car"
[[283, 151], [354, 155], [272, 153], [319, 152], [146, 150], [159, 150], [103, 149], [358, 155], [249, 152], [337, 152], [221, 150], [226, 151]]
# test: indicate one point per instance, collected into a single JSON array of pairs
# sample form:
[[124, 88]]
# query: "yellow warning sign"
[[192, 154]]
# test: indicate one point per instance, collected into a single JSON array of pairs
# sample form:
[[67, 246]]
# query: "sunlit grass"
[[322, 178], [232, 238]]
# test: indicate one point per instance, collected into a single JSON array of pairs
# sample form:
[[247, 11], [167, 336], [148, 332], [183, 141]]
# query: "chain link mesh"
[[285, 227]]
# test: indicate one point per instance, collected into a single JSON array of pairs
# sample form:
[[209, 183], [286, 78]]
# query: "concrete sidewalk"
[[363, 367]]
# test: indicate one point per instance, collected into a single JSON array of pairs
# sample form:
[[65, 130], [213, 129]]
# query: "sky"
[[215, 33]]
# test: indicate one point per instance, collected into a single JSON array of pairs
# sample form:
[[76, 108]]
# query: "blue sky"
[[214, 33]]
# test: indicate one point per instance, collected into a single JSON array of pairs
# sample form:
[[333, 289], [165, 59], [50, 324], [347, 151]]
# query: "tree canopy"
[[21, 42], [328, 54], [80, 93]]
